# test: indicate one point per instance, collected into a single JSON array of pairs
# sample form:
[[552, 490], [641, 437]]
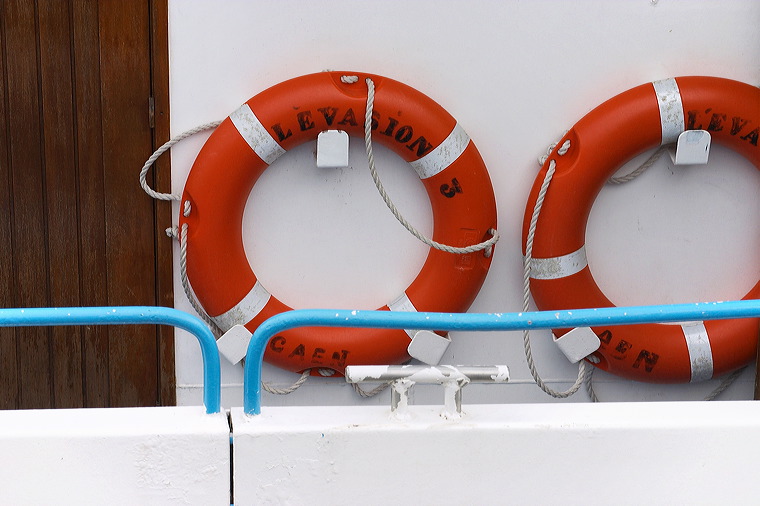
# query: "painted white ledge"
[[129, 456], [615, 453]]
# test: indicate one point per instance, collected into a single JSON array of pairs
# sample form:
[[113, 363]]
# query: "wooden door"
[[83, 102]]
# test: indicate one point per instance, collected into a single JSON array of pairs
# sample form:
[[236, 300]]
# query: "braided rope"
[[725, 383], [583, 367], [485, 245], [186, 284], [163, 149], [590, 387], [371, 393], [287, 390], [641, 168]]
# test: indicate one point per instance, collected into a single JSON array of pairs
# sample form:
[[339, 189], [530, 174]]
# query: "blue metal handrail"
[[475, 322], [124, 315]]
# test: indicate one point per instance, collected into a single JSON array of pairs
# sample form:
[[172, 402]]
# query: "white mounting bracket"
[[578, 343], [233, 345], [692, 148], [332, 149], [428, 347]]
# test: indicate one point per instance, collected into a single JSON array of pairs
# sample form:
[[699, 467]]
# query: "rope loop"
[[186, 284], [485, 246], [640, 169], [287, 390], [584, 369], [163, 149], [562, 150], [367, 394]]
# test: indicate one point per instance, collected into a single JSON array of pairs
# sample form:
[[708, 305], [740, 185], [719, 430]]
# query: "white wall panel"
[[516, 74]]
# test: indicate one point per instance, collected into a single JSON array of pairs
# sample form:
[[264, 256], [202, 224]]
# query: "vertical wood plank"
[[159, 22], [124, 37], [8, 374], [28, 188], [92, 226], [61, 196]]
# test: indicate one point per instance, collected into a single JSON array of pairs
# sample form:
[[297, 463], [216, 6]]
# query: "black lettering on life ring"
[[329, 114], [422, 145], [281, 135], [716, 124], [349, 118], [404, 134], [623, 346], [737, 124], [305, 121], [605, 336], [752, 137], [317, 355], [298, 351], [648, 358], [277, 344], [449, 191], [392, 124], [340, 357]]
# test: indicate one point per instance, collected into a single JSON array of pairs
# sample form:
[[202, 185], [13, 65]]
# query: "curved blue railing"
[[125, 315], [475, 322]]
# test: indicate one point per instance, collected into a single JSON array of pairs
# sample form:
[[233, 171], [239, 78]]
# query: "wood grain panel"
[[29, 205], [124, 37], [61, 179], [75, 227], [8, 375], [92, 224]]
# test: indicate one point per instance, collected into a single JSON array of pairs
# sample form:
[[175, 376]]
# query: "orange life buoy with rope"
[[601, 142], [295, 111]]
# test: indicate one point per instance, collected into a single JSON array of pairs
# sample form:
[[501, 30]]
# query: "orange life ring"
[[613, 133], [293, 112]]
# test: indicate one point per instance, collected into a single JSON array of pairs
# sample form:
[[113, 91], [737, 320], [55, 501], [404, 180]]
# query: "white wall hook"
[[233, 345], [578, 343], [428, 347], [332, 149], [692, 148]]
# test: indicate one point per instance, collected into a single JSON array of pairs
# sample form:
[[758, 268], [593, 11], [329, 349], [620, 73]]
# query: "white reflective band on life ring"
[[443, 155], [245, 310], [671, 109], [559, 267], [254, 133], [700, 351], [402, 303]]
